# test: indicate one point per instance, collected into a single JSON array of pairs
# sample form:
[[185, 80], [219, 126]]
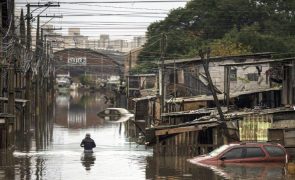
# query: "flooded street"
[[59, 156]]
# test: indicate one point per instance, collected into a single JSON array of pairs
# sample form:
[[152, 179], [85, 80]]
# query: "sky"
[[121, 19]]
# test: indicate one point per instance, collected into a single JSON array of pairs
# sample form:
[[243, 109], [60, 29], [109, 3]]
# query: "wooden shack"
[[192, 138], [255, 124], [283, 128], [186, 77], [205, 133], [146, 112], [284, 136], [140, 85], [272, 81], [254, 85]]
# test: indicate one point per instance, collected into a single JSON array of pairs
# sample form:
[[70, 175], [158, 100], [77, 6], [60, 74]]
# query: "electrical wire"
[[114, 2]]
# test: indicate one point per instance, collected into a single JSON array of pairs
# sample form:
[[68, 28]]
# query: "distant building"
[[74, 39], [104, 41], [93, 44], [120, 45], [138, 41], [74, 32]]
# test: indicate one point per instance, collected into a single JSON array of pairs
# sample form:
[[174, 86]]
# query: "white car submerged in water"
[[116, 114]]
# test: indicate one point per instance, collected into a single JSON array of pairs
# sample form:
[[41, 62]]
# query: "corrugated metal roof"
[[141, 75], [219, 96], [144, 98], [178, 61], [259, 62]]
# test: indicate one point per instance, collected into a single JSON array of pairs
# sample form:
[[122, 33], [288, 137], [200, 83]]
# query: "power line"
[[114, 2], [89, 10]]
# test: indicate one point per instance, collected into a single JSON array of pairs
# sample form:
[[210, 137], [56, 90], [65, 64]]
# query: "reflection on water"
[[263, 170], [115, 156], [87, 160], [76, 111]]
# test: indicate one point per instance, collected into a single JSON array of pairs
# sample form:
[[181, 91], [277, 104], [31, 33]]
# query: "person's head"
[[87, 135]]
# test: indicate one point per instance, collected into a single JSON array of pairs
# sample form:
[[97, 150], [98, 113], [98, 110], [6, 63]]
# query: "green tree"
[[227, 26]]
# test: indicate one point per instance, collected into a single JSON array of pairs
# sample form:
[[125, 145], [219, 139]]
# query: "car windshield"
[[217, 151]]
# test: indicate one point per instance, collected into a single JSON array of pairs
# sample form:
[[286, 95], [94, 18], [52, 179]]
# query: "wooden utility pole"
[[227, 85], [37, 81], [223, 124], [11, 94], [129, 62], [162, 74], [29, 36], [293, 84], [40, 85], [12, 63], [1, 62], [22, 29], [12, 5], [206, 69], [1, 41], [128, 77]]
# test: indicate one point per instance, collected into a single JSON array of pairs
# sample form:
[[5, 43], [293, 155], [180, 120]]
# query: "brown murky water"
[[57, 154]]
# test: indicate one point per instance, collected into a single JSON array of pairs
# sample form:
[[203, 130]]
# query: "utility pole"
[[36, 105], [28, 78], [206, 68], [129, 62], [129, 73], [37, 81], [227, 85], [223, 124], [162, 74], [1, 62], [12, 63], [22, 29], [29, 36], [12, 16], [37, 39], [29, 18]]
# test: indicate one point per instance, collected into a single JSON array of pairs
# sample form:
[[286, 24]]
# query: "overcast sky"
[[122, 19]]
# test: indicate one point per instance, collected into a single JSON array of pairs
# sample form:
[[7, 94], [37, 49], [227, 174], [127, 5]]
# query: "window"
[[172, 76], [115, 112], [274, 151], [150, 82], [254, 152], [233, 74], [252, 76], [234, 154], [107, 111], [217, 151]]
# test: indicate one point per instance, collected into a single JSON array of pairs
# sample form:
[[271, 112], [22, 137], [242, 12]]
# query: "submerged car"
[[244, 153], [116, 114]]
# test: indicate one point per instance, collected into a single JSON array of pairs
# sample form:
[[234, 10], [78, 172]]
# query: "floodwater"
[[56, 154]]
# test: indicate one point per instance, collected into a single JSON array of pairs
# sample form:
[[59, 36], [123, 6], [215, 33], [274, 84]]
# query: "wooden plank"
[[5, 99], [276, 135], [177, 130], [289, 142], [290, 133], [183, 129]]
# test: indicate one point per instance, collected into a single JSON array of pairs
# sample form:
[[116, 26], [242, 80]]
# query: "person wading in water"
[[88, 144]]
